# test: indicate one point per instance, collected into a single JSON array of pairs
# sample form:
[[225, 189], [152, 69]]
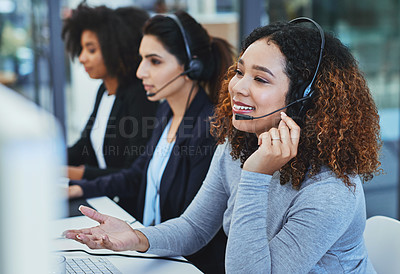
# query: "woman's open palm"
[[111, 233]]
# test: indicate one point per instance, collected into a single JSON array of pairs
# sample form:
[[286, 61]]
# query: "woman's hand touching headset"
[[276, 147]]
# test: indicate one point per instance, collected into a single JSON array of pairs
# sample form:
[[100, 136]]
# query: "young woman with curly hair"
[[106, 41], [287, 191]]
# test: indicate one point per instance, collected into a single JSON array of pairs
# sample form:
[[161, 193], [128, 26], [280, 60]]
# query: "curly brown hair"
[[339, 130]]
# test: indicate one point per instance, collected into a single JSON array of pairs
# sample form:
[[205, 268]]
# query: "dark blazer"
[[126, 135], [182, 177]]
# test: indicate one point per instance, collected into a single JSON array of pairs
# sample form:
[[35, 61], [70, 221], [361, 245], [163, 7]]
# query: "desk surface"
[[124, 264]]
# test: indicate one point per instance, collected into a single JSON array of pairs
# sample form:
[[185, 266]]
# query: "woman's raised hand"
[[75, 172], [75, 191], [111, 233], [276, 147]]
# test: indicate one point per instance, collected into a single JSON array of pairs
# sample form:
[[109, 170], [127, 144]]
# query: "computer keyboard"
[[90, 265]]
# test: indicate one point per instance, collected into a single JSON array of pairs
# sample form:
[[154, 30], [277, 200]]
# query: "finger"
[[92, 242], [76, 231], [92, 214], [294, 129], [284, 133], [275, 136], [71, 231], [87, 231], [264, 139], [78, 238], [70, 234], [281, 124]]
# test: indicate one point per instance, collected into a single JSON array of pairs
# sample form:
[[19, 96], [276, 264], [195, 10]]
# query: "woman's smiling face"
[[259, 86]]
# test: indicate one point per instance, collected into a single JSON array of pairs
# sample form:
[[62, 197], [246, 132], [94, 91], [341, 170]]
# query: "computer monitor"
[[32, 153]]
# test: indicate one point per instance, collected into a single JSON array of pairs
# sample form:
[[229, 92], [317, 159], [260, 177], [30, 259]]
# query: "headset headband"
[[321, 32], [178, 22]]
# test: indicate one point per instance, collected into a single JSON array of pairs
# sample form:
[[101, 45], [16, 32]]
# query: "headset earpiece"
[[195, 69], [194, 66], [305, 91], [296, 111]]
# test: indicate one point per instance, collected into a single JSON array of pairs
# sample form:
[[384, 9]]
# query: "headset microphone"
[[169, 82], [248, 117]]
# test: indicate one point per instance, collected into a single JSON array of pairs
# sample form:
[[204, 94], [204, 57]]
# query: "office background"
[[33, 61]]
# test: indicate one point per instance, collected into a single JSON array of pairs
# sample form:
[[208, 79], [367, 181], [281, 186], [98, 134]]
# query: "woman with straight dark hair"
[[107, 43], [182, 65]]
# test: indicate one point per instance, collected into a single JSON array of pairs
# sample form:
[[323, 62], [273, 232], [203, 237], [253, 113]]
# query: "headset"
[[194, 67], [308, 91]]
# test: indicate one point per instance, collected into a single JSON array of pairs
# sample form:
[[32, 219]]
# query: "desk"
[[124, 264]]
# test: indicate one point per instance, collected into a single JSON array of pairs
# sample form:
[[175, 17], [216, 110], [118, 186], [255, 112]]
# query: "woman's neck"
[[179, 101], [111, 84]]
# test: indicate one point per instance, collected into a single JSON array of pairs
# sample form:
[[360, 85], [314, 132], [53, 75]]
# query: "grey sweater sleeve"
[[200, 221], [311, 228]]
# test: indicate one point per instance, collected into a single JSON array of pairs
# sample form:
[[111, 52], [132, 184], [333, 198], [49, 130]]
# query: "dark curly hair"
[[339, 130], [216, 54], [119, 32]]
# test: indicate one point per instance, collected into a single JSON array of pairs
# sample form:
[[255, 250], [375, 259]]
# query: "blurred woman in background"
[[107, 42]]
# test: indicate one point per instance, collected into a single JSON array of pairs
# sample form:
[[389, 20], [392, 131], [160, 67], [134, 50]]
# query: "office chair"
[[382, 239]]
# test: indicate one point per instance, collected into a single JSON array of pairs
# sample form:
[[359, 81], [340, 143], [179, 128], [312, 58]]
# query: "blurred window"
[[24, 54]]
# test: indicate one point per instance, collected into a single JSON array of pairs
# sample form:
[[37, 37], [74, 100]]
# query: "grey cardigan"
[[271, 228]]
